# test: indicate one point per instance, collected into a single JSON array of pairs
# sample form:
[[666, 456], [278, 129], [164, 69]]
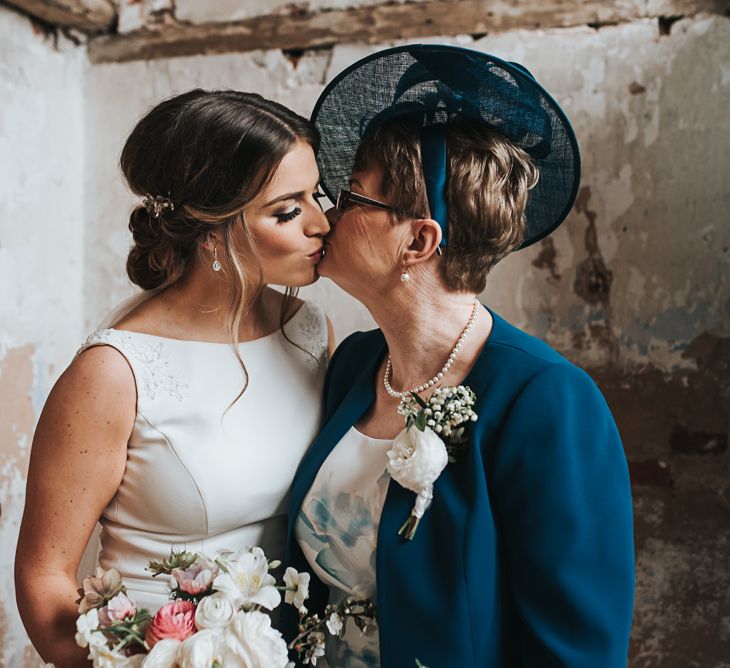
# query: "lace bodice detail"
[[307, 328], [153, 356]]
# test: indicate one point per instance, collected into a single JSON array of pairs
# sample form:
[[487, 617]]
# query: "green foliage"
[[182, 559]]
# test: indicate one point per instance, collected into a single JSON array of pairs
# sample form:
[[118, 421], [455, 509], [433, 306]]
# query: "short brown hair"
[[488, 179]]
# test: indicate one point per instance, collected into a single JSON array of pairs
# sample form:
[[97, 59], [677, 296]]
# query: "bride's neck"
[[202, 300]]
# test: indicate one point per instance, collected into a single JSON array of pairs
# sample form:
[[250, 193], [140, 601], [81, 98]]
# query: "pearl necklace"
[[455, 350]]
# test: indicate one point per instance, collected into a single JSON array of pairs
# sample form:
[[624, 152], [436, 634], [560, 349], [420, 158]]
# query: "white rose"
[[202, 649], [214, 611], [251, 642], [105, 657], [163, 654], [417, 458], [248, 582], [86, 633]]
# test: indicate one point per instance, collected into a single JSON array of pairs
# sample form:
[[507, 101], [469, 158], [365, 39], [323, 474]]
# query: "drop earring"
[[405, 276], [216, 263]]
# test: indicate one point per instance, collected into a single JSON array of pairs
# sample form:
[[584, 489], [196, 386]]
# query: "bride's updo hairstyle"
[[208, 153], [196, 160]]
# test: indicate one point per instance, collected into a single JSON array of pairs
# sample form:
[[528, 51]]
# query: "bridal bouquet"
[[216, 616]]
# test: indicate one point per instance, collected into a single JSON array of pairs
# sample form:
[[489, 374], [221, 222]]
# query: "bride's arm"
[[76, 465]]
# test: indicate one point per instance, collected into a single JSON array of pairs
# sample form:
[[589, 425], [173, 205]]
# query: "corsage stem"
[[409, 528]]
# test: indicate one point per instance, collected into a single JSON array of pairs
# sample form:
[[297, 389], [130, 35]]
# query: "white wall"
[[41, 263]]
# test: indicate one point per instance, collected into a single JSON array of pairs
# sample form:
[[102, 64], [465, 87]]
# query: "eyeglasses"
[[347, 199]]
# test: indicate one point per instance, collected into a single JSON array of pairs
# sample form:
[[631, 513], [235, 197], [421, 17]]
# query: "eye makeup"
[[286, 216]]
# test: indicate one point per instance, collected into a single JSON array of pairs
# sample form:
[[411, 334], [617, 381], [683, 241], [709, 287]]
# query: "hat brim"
[[447, 80]]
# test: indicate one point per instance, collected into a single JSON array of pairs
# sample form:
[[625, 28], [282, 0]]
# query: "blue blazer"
[[525, 557]]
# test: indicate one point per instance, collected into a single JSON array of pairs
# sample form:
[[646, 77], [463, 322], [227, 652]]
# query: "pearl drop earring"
[[405, 276]]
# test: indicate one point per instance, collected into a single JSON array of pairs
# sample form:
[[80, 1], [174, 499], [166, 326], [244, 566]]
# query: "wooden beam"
[[89, 16], [380, 23]]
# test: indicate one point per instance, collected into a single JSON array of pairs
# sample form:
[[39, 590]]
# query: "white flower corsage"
[[434, 433]]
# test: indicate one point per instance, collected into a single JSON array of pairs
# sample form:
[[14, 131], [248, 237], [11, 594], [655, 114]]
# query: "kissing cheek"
[[284, 254]]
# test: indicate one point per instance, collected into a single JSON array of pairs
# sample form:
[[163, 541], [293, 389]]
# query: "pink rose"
[[175, 620], [117, 610], [197, 578]]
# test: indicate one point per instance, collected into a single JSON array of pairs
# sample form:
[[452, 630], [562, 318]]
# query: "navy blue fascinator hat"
[[436, 84]]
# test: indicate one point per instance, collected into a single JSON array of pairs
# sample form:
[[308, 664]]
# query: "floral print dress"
[[337, 530]]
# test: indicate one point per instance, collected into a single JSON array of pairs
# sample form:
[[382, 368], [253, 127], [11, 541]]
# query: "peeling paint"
[[16, 424], [592, 277], [546, 258], [41, 254], [711, 354], [16, 408], [636, 88]]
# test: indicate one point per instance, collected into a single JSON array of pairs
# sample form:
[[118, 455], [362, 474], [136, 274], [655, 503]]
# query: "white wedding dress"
[[199, 477]]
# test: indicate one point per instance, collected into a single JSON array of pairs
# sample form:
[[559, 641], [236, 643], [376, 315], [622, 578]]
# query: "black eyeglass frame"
[[347, 196], [344, 197]]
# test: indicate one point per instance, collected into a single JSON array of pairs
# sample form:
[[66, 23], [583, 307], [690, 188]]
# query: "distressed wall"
[[634, 286], [41, 262]]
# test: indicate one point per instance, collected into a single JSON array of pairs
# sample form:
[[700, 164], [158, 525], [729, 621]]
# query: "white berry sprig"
[[447, 412]]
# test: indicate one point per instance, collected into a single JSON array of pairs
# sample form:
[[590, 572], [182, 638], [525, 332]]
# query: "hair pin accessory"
[[156, 204]]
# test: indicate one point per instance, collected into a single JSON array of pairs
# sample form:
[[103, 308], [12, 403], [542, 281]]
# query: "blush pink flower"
[[197, 578], [117, 610], [175, 620]]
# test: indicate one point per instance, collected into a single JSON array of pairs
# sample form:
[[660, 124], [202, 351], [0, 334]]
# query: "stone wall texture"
[[634, 286]]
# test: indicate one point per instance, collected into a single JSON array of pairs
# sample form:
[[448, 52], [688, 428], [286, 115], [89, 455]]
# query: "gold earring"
[[216, 263]]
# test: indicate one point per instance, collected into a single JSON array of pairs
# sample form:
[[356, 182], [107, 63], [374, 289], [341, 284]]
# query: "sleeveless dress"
[[201, 477], [337, 530]]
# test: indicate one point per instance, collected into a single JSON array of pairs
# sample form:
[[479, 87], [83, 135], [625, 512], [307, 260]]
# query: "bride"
[[182, 421]]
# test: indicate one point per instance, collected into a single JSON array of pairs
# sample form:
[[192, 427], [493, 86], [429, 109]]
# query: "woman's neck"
[[196, 306], [421, 328]]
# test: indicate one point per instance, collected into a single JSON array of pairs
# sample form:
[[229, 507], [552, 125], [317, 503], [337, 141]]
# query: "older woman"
[[523, 553]]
